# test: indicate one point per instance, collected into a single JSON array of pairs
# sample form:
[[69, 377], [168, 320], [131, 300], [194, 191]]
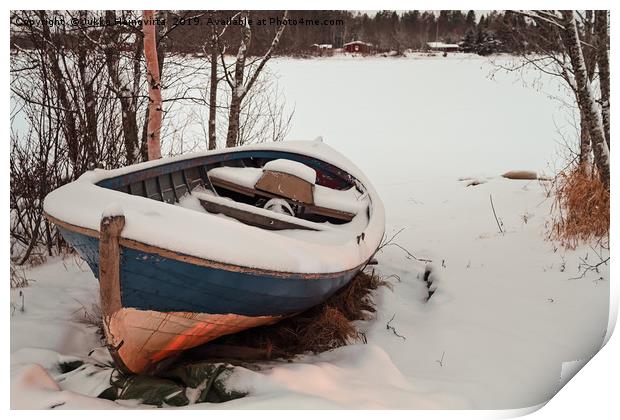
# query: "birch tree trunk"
[[152, 68], [160, 46], [588, 46], [585, 97], [602, 43], [237, 88], [213, 89], [585, 147]]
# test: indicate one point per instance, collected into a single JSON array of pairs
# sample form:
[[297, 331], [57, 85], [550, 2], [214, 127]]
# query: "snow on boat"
[[190, 248]]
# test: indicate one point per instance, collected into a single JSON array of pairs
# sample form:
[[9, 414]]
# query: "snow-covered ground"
[[507, 311]]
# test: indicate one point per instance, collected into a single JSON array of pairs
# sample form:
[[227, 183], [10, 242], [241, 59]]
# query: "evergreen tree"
[[470, 20], [469, 43]]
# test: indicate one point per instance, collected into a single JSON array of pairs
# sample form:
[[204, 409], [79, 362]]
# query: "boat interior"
[[273, 194]]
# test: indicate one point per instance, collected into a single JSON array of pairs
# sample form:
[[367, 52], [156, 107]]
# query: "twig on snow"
[[389, 327], [585, 267], [392, 276], [495, 214], [389, 241], [440, 361], [409, 254], [385, 243]]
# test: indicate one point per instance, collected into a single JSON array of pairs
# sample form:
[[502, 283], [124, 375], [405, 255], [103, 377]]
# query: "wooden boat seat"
[[308, 208], [286, 186], [263, 184], [251, 215]]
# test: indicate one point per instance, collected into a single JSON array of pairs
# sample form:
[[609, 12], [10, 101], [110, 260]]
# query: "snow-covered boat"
[[193, 247]]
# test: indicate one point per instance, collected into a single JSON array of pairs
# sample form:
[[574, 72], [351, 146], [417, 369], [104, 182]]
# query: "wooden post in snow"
[[152, 76], [110, 265], [110, 230]]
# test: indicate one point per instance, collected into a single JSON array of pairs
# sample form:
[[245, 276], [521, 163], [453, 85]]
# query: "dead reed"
[[583, 212]]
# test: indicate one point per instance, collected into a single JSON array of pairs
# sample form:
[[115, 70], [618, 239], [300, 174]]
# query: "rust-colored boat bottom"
[[140, 339]]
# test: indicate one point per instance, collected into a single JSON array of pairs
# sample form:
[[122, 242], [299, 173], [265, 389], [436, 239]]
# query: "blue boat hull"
[[153, 282]]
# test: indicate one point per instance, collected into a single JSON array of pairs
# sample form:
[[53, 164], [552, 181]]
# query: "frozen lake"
[[414, 116]]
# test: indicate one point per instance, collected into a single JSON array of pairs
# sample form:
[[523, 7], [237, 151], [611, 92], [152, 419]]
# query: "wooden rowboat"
[[190, 248]]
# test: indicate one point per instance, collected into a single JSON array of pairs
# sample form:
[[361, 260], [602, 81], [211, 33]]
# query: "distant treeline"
[[387, 30], [490, 32]]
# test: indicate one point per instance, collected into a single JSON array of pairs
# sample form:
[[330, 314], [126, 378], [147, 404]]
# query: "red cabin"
[[358, 47]]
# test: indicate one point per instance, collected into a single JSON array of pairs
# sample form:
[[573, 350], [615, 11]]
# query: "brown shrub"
[[582, 202]]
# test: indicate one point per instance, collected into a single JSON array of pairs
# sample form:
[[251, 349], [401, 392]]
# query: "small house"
[[442, 46], [358, 47], [322, 49]]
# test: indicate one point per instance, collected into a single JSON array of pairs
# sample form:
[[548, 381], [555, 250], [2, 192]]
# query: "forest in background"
[[483, 32]]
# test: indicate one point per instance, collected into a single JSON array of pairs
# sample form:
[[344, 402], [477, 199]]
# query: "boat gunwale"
[[190, 259], [114, 181]]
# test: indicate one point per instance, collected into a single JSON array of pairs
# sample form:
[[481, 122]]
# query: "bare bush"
[[18, 277], [67, 117]]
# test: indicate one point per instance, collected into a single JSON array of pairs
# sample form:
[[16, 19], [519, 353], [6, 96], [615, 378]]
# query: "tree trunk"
[[144, 154], [127, 101], [90, 102], [233, 121], [585, 148], [602, 42], [589, 50], [155, 103], [68, 125], [587, 104], [237, 89], [213, 90]]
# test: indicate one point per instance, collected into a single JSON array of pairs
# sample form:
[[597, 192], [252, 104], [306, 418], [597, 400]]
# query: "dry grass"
[[91, 316], [319, 329], [583, 204]]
